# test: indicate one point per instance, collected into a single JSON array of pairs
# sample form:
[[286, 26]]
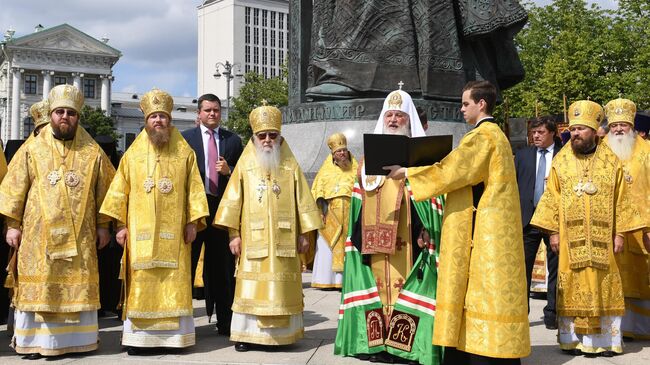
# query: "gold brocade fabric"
[[380, 217], [589, 284], [269, 281], [3, 164], [46, 282], [633, 261], [335, 185], [391, 270], [481, 296], [158, 260]]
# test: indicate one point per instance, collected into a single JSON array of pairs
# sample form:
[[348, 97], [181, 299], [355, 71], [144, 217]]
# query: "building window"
[[30, 84], [273, 19], [265, 14], [60, 80], [264, 56], [265, 36], [272, 71], [281, 20], [248, 34], [272, 57], [248, 54], [89, 88], [266, 73], [257, 69], [28, 127], [256, 36], [280, 57], [256, 55], [272, 38], [248, 15], [247, 68], [256, 16], [281, 39]]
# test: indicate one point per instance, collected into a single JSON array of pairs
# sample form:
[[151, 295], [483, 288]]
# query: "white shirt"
[[205, 133], [549, 158]]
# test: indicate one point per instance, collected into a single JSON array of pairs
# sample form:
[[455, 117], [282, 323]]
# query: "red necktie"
[[213, 157]]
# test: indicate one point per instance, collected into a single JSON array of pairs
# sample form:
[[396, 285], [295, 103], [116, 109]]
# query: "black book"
[[389, 149]]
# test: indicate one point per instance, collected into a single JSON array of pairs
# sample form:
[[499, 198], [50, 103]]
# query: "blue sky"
[[158, 38]]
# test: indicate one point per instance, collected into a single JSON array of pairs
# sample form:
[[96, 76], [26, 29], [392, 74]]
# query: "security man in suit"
[[533, 164], [217, 151]]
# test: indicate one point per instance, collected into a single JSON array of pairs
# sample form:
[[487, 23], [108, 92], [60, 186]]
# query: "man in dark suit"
[[217, 151], [533, 164]]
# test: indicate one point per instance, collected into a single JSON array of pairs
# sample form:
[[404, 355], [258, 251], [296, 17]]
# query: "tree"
[[569, 48], [255, 89], [97, 123]]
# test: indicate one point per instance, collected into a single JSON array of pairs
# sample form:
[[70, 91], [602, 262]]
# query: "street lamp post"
[[228, 74]]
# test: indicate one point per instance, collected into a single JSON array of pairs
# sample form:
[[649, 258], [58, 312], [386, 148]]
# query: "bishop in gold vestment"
[[332, 189], [268, 210], [481, 304], [51, 198], [583, 207], [158, 200], [632, 263]]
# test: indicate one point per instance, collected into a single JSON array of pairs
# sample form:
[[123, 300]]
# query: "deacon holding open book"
[[386, 228], [481, 307]]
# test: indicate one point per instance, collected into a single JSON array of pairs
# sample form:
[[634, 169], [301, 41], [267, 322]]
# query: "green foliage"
[[569, 48], [97, 123], [274, 90]]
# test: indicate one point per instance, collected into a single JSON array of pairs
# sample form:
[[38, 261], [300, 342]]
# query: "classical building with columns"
[[32, 64]]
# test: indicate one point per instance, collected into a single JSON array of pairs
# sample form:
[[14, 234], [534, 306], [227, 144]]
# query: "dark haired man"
[[480, 310], [533, 163], [217, 151]]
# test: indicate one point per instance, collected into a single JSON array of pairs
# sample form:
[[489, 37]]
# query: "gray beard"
[[622, 146], [269, 161], [404, 130]]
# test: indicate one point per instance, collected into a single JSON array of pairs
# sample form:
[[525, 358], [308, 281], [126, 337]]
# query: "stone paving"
[[321, 313]]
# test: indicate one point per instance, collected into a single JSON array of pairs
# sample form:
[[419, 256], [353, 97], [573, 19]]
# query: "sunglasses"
[[262, 135], [61, 112]]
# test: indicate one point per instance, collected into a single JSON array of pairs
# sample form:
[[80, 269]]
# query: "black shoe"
[[242, 347], [363, 357], [383, 357], [34, 356], [132, 351], [607, 354], [573, 352]]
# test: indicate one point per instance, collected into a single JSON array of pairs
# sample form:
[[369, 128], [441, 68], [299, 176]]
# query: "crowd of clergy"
[[434, 263]]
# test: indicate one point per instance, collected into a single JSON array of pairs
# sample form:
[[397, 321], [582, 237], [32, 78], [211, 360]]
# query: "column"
[[105, 99], [47, 82], [15, 102], [76, 81]]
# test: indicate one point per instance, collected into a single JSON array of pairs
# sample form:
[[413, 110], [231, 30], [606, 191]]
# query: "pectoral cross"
[[336, 188], [261, 187], [579, 188]]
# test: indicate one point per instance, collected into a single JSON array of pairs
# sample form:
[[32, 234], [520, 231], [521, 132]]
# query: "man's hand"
[[424, 239], [190, 232], [222, 166], [397, 172], [303, 244], [235, 246], [646, 241], [618, 243], [121, 236], [14, 236], [103, 237], [555, 242]]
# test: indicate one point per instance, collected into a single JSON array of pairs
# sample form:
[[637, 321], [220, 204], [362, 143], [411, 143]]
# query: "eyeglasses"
[[262, 135], [61, 112]]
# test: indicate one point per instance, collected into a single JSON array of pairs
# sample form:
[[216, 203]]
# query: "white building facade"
[[251, 35], [31, 65]]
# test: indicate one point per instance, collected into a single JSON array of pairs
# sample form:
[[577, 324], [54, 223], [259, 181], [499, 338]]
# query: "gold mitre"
[[65, 96], [265, 118], [587, 113], [156, 101], [40, 113], [337, 141], [620, 110]]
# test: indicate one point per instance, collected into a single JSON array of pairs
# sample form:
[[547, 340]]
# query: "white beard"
[[269, 161], [404, 130], [622, 146]]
